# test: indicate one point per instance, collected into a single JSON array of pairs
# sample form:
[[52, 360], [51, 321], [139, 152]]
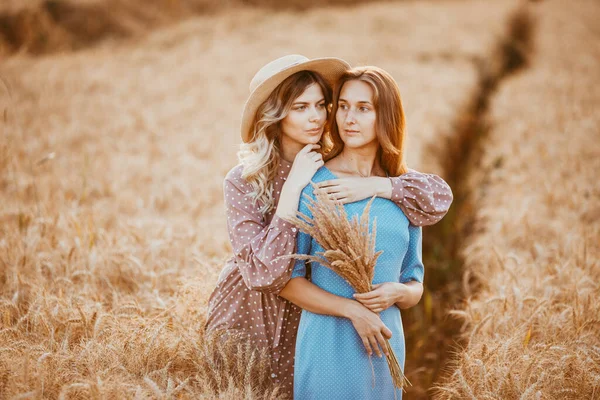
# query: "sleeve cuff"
[[283, 225], [397, 189]]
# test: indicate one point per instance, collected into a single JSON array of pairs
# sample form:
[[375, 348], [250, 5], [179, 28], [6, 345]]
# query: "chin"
[[311, 139], [353, 143]]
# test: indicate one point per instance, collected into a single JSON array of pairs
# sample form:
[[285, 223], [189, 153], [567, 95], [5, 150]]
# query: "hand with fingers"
[[383, 296], [349, 190], [371, 329], [306, 163]]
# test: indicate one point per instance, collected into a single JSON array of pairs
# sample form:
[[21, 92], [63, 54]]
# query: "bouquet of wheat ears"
[[349, 251]]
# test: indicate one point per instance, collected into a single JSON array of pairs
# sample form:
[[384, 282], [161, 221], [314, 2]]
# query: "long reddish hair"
[[389, 121]]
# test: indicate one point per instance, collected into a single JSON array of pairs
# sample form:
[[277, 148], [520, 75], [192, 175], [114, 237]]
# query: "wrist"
[[383, 187], [286, 215], [288, 202], [283, 220], [349, 309], [400, 290], [292, 188]]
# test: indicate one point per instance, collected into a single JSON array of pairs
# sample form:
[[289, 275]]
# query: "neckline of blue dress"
[[329, 172], [337, 177]]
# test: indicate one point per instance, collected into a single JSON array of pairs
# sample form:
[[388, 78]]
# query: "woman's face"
[[355, 116], [305, 122]]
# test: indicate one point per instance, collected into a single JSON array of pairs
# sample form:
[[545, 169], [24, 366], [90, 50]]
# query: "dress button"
[[293, 229], [273, 375]]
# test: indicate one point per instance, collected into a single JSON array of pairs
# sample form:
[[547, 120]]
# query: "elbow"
[[265, 284], [418, 294], [415, 301], [409, 304], [287, 291], [415, 294]]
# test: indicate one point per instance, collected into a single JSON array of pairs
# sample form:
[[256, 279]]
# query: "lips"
[[313, 131], [350, 132]]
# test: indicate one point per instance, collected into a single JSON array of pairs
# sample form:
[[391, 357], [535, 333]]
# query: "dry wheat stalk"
[[349, 251]]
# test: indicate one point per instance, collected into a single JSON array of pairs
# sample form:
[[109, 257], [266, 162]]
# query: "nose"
[[314, 115], [350, 119]]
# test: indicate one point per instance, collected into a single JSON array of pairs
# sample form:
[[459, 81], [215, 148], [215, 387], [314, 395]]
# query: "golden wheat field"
[[533, 323], [116, 136]]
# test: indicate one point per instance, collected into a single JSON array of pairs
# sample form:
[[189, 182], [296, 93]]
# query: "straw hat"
[[275, 72]]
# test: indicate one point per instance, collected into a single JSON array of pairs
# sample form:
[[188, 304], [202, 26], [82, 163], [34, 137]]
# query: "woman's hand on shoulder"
[[306, 163], [349, 190]]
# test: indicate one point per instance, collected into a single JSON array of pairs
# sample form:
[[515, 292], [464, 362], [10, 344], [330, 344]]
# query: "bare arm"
[[368, 325], [306, 163], [387, 294], [310, 297], [409, 295]]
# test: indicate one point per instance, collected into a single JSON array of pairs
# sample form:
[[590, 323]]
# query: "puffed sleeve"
[[424, 198], [303, 241], [412, 265], [256, 245]]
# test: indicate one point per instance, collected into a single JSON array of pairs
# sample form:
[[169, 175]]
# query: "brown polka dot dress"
[[246, 297]]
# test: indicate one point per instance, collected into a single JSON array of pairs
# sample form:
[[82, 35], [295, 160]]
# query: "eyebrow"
[[360, 102], [306, 102]]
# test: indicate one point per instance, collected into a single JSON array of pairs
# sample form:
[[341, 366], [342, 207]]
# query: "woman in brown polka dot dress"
[[283, 130]]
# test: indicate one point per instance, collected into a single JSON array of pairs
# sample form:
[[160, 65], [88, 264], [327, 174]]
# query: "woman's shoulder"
[[322, 174], [235, 173], [234, 178]]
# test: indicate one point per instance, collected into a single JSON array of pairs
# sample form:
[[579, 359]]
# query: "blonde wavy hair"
[[389, 123], [260, 157]]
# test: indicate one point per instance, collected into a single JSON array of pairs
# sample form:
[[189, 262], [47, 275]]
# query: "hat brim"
[[330, 68]]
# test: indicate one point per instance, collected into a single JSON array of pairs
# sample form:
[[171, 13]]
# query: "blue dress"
[[331, 361]]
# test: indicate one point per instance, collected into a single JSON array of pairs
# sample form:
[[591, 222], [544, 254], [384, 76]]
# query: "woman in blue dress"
[[333, 360]]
